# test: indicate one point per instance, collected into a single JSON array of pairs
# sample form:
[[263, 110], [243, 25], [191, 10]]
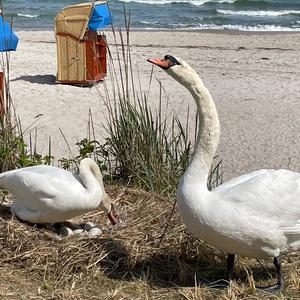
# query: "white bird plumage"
[[255, 215], [48, 194]]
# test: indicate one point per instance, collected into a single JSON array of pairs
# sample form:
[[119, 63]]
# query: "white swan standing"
[[48, 194], [255, 215]]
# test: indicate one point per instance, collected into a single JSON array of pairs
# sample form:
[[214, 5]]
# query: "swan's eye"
[[172, 60]]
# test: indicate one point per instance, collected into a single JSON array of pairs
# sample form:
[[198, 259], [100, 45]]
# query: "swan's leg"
[[280, 281], [230, 264]]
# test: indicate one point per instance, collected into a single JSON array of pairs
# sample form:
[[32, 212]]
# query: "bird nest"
[[150, 235], [150, 242]]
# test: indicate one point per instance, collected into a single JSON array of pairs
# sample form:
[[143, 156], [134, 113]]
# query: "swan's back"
[[42, 170], [37, 179]]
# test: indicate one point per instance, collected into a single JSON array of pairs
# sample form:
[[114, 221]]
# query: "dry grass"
[[128, 262]]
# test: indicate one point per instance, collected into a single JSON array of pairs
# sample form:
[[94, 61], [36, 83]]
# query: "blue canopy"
[[100, 16], [8, 40]]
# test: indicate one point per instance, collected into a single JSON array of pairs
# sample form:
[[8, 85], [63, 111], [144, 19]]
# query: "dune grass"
[[146, 146]]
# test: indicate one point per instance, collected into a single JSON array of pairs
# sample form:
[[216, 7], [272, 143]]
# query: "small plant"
[[14, 152], [86, 148]]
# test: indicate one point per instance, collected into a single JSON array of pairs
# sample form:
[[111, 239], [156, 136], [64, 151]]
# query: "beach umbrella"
[[8, 39], [8, 42], [100, 16]]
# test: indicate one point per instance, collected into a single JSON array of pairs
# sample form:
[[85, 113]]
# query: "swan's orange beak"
[[163, 63], [112, 217]]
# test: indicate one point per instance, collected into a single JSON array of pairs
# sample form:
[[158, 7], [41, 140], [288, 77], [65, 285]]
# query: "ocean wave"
[[194, 2], [247, 28], [27, 15], [258, 13], [264, 28]]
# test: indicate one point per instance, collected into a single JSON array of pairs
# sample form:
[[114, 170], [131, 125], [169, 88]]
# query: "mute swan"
[[48, 194], [255, 215]]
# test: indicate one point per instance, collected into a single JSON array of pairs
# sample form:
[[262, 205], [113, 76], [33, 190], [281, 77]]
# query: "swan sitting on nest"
[[48, 194], [255, 215]]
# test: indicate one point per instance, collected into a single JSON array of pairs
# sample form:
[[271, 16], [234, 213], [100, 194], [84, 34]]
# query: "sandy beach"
[[254, 79]]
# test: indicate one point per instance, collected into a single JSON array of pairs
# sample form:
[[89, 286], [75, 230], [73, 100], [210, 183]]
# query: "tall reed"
[[148, 148]]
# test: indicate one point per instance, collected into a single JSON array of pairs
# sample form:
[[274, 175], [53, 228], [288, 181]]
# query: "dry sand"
[[254, 79]]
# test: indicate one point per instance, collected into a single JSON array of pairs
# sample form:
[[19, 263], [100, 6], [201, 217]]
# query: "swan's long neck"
[[208, 132], [91, 177]]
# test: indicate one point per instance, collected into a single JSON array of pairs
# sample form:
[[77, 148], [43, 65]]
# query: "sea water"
[[250, 15]]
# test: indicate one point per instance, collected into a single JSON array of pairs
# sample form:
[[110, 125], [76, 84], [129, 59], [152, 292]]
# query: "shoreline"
[[212, 31]]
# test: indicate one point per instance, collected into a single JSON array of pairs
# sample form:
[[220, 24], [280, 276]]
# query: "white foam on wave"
[[149, 23], [194, 2], [181, 26], [247, 28], [27, 15], [258, 13]]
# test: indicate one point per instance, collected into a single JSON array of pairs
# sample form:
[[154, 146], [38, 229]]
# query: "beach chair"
[[81, 48]]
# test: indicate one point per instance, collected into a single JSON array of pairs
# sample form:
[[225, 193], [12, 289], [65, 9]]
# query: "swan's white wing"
[[271, 193], [41, 186], [39, 169]]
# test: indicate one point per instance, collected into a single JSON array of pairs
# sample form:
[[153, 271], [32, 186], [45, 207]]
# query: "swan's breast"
[[192, 208]]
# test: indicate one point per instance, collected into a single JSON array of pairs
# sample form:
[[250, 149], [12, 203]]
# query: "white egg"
[[78, 231], [94, 232]]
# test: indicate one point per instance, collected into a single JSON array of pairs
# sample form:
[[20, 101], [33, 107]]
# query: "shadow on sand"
[[40, 79], [51, 80]]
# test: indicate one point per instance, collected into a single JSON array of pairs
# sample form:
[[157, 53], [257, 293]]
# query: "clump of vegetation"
[[146, 148]]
